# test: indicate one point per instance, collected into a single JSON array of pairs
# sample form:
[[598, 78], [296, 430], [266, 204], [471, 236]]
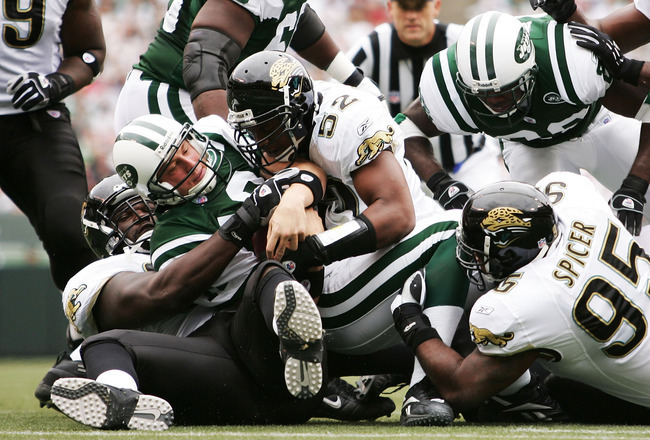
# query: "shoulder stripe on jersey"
[[449, 83], [557, 57]]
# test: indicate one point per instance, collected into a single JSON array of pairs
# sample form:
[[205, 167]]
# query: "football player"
[[380, 226], [571, 293], [526, 81], [183, 72]]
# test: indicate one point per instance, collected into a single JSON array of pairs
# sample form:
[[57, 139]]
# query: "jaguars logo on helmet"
[[505, 225]]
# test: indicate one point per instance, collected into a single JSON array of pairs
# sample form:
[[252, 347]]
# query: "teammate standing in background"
[[47, 54], [184, 71]]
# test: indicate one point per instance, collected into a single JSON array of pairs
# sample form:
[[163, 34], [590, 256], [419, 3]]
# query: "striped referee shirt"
[[397, 67]]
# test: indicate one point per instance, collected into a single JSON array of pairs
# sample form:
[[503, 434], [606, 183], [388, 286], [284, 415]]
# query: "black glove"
[[412, 325], [450, 193], [628, 203], [257, 208], [33, 91], [608, 52], [560, 10]]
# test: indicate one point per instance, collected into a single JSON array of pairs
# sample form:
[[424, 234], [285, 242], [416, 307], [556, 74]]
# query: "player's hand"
[[628, 203], [560, 10], [33, 91], [608, 52], [450, 193]]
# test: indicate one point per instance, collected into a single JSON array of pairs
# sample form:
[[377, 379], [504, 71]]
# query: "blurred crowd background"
[[129, 26]]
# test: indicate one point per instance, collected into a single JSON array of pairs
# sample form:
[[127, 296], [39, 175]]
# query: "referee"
[[394, 54]]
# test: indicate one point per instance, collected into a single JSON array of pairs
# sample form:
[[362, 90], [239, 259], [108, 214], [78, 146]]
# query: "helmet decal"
[[128, 174], [282, 71], [505, 225], [523, 47]]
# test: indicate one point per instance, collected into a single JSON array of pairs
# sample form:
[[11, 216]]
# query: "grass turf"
[[21, 418]]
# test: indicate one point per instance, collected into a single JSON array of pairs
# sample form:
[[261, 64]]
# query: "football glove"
[[257, 208], [608, 52], [33, 91], [450, 193], [411, 323], [628, 201], [560, 10]]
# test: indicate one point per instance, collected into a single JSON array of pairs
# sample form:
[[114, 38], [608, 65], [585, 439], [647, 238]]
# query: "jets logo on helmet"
[[524, 47]]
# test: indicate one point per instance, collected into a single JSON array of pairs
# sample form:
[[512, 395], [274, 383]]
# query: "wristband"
[[90, 60], [436, 179], [312, 182]]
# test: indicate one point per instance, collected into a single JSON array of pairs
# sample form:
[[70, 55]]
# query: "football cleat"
[[342, 403], [531, 404], [298, 325], [102, 406], [423, 406], [370, 387], [63, 367]]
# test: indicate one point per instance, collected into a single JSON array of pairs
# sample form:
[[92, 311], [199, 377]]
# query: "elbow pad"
[[308, 31], [207, 59]]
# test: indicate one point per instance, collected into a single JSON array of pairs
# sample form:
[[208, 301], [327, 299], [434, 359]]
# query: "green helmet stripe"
[[489, 49], [472, 49]]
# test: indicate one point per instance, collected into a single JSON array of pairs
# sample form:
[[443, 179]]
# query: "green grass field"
[[21, 418]]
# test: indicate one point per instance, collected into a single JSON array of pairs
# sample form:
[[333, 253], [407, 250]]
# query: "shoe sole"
[[438, 418], [298, 321], [87, 402]]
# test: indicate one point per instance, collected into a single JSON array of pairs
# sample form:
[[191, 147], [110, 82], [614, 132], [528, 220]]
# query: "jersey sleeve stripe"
[[559, 62], [449, 93]]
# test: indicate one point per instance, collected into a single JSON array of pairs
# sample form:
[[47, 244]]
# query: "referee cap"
[[411, 5]]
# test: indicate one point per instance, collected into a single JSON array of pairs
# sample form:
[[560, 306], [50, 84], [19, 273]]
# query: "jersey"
[[397, 68], [643, 6], [351, 128], [585, 305], [565, 97], [275, 22], [30, 43], [81, 293], [183, 227]]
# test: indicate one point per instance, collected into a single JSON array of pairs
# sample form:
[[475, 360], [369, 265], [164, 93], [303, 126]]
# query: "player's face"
[[415, 27], [134, 219], [502, 102], [183, 165]]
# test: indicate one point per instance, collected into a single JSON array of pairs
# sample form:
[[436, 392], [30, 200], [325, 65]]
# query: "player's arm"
[[417, 129], [382, 186], [219, 32], [466, 382], [293, 218], [84, 49], [313, 43], [135, 299]]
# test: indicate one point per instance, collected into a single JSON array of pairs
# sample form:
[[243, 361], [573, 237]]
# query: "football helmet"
[[504, 226], [102, 210], [496, 65], [269, 94], [144, 149]]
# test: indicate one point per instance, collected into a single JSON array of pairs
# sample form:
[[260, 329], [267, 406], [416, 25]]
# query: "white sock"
[[76, 354], [118, 379], [518, 384], [418, 373]]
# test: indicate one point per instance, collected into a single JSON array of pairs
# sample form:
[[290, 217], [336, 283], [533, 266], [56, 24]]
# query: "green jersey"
[[275, 23], [183, 227], [564, 102]]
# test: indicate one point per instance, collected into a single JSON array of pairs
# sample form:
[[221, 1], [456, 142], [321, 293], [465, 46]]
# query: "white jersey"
[[351, 128], [30, 42], [643, 6], [81, 292], [585, 305]]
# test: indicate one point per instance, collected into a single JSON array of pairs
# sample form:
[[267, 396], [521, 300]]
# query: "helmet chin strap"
[[138, 248]]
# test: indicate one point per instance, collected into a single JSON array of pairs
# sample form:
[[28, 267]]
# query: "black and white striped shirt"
[[397, 68]]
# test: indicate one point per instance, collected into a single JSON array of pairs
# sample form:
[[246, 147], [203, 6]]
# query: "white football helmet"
[[496, 67], [144, 148]]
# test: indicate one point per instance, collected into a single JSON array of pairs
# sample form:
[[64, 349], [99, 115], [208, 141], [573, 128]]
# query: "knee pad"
[[260, 276]]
